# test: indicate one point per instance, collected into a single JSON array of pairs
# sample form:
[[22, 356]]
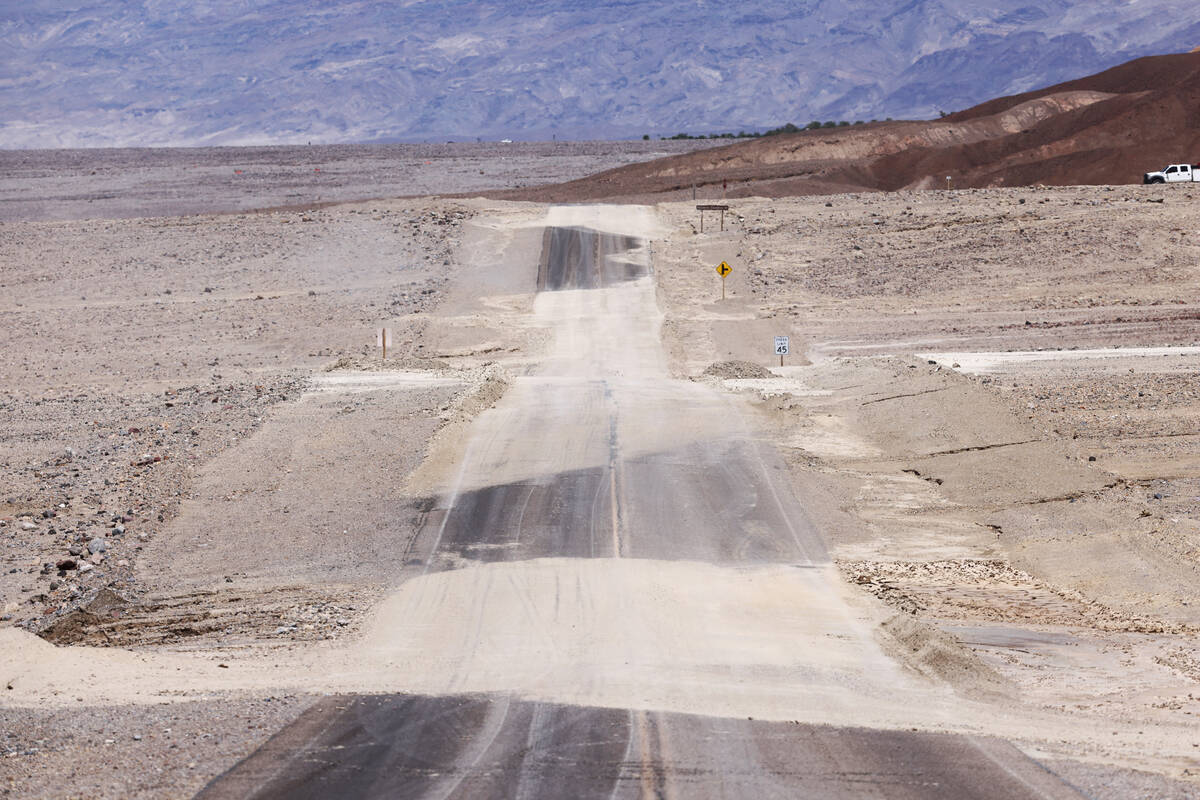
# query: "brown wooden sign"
[[703, 208]]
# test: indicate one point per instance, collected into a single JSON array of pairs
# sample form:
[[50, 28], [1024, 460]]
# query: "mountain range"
[[163, 72]]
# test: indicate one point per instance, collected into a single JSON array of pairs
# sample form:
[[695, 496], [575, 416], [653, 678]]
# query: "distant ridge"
[[137, 73], [1107, 128]]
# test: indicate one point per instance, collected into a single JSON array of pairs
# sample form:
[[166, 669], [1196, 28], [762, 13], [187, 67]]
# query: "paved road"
[[497, 747], [599, 456]]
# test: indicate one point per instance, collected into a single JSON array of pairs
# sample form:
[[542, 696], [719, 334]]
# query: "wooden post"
[[711, 207], [382, 336]]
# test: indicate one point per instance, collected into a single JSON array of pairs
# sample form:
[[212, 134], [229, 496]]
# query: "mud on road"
[[995, 577]]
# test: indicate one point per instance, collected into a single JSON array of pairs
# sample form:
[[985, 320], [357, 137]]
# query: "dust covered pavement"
[[950, 506], [681, 603]]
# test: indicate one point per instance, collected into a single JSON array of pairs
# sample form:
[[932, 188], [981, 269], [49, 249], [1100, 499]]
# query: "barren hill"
[[133, 73], [1104, 129]]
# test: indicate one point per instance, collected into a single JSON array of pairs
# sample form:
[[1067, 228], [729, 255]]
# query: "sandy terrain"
[[1004, 543], [1039, 507]]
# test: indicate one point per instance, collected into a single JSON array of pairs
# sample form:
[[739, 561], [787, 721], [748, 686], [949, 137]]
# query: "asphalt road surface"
[[497, 747], [598, 456]]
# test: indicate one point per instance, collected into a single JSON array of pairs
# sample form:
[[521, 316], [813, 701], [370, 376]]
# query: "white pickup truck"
[[1176, 173]]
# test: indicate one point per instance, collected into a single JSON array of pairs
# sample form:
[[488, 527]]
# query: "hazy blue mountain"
[[146, 72]]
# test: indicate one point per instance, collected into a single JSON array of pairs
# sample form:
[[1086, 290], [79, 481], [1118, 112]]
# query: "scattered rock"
[[737, 369], [79, 625], [97, 545]]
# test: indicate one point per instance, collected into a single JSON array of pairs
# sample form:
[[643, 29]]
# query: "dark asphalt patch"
[[720, 501], [403, 746], [581, 258], [568, 514], [715, 501]]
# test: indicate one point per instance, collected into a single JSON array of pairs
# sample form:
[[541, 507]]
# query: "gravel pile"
[[727, 370]]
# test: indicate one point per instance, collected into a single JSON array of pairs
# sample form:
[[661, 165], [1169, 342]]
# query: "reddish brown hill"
[[1104, 129], [1152, 74]]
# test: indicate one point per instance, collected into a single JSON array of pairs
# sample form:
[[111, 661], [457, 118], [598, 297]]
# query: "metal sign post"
[[782, 347], [383, 337], [723, 269]]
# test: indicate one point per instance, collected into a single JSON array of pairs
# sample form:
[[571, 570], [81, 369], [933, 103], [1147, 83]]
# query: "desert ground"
[[964, 509], [122, 183]]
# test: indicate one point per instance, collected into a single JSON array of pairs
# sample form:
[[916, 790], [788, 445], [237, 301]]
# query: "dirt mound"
[[1107, 128], [935, 653], [737, 369]]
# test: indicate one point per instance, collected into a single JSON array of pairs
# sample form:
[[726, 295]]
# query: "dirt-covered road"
[[622, 545], [581, 530]]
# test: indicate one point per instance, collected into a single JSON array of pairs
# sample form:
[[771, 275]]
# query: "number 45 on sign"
[[782, 348]]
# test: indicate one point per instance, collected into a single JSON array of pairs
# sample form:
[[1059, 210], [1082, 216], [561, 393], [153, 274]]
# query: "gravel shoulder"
[[150, 752], [142, 350], [163, 377]]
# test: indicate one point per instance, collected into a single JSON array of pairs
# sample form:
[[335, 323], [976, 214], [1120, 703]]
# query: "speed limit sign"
[[781, 346]]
